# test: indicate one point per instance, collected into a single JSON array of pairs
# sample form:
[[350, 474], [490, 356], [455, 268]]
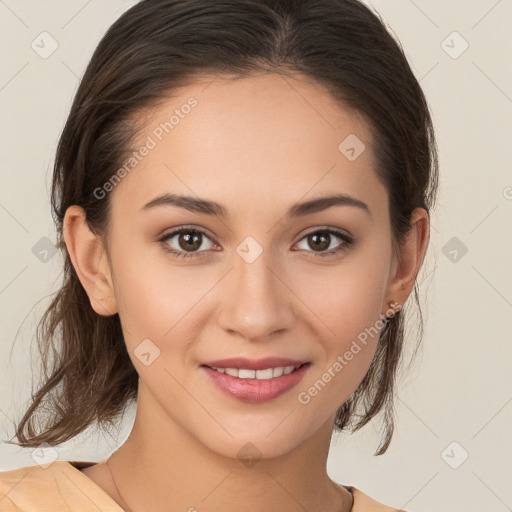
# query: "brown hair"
[[157, 46]]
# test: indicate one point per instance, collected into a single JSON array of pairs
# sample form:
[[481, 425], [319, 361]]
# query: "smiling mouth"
[[255, 385], [264, 374]]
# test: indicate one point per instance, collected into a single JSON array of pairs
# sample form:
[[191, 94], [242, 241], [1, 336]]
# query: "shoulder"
[[58, 487], [363, 503]]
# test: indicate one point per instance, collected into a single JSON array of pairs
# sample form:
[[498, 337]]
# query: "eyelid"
[[347, 240], [346, 237], [330, 229], [186, 228]]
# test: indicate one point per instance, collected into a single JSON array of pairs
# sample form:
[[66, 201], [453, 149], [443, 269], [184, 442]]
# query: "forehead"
[[270, 138]]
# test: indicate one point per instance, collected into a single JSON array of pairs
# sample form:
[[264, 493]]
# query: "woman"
[[242, 194]]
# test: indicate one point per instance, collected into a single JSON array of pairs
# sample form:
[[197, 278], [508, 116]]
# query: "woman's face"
[[255, 282]]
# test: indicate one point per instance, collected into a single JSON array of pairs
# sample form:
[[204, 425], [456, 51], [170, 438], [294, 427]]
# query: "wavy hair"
[[157, 46]]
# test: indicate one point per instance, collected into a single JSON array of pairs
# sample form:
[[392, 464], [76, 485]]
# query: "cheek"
[[347, 304], [346, 298], [162, 302], [152, 296]]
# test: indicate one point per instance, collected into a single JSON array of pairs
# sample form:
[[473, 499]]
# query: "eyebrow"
[[207, 207]]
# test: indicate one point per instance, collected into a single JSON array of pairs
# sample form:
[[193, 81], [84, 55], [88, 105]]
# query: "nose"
[[257, 301]]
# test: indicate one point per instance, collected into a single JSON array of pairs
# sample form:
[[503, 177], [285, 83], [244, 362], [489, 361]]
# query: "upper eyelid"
[[176, 231]]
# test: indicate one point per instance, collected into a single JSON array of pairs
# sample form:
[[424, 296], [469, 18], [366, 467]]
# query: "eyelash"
[[347, 242]]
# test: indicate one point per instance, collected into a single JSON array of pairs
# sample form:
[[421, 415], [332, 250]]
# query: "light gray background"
[[460, 388]]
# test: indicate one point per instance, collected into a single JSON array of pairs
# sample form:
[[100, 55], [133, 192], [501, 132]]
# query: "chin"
[[254, 441]]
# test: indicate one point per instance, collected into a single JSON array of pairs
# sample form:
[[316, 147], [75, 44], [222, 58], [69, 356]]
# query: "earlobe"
[[412, 252], [89, 259]]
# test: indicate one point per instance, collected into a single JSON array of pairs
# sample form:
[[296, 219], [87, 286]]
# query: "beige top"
[[62, 487]]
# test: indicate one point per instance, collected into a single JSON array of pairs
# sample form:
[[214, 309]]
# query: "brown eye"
[[186, 243], [321, 241]]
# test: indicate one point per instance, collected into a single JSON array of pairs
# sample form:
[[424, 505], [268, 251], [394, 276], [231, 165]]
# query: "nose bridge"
[[256, 301]]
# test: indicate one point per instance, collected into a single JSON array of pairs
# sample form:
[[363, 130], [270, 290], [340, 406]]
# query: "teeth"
[[246, 374], [268, 373], [264, 374], [278, 371], [288, 369]]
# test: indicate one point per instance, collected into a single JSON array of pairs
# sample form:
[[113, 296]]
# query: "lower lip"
[[255, 390]]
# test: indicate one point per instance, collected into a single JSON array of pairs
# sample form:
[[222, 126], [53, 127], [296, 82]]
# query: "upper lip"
[[253, 364]]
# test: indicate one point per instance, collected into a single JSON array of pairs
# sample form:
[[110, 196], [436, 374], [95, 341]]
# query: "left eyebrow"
[[207, 207], [323, 203]]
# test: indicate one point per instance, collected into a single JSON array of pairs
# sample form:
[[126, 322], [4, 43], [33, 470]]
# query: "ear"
[[89, 258], [406, 266]]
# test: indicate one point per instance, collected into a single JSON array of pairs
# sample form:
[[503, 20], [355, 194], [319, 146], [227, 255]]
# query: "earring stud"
[[395, 305]]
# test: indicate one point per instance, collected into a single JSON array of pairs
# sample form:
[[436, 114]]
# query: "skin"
[[256, 145]]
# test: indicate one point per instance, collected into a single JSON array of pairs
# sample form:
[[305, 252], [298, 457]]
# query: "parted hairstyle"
[[152, 49]]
